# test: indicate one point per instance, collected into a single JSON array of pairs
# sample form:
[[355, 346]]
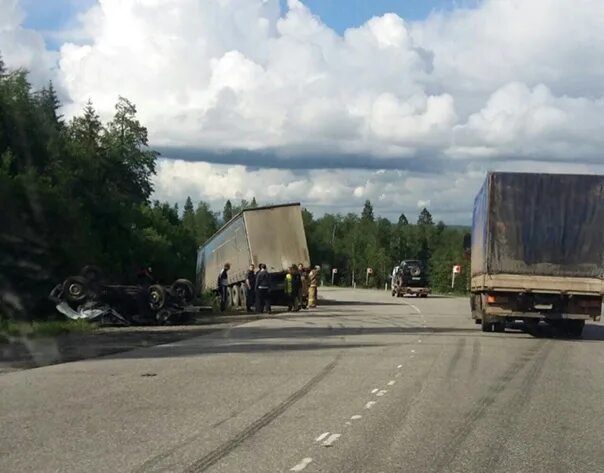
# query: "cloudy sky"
[[332, 102]]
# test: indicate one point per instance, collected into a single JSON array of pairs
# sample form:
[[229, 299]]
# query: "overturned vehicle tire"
[[183, 290], [156, 297], [75, 289]]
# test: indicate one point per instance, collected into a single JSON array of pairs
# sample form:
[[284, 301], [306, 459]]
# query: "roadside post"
[[334, 271], [456, 270], [369, 272]]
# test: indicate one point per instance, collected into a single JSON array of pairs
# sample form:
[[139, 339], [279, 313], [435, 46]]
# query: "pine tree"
[[367, 215], [227, 212], [425, 217], [188, 216], [253, 204], [402, 220]]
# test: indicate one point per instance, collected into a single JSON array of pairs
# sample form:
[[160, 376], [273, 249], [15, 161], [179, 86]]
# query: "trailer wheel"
[[234, 295], [75, 289], [242, 295], [184, 290], [486, 326], [156, 296]]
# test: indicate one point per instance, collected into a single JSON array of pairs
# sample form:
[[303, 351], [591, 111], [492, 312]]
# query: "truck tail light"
[[490, 299]]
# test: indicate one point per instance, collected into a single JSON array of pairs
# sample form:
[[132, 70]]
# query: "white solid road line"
[[369, 405], [332, 438], [391, 382], [303, 464]]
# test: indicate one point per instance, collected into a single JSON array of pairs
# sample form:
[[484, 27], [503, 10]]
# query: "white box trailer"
[[273, 235]]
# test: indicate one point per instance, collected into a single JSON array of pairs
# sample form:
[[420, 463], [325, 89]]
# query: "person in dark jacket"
[[250, 288], [223, 286], [263, 287]]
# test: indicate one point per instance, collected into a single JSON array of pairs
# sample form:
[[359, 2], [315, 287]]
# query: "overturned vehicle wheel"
[[75, 289], [183, 290], [156, 296]]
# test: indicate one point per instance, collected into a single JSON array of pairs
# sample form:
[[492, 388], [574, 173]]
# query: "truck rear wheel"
[[486, 326], [499, 327], [234, 296], [574, 328]]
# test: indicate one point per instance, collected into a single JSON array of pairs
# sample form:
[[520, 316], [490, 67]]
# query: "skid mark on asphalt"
[[461, 343], [518, 403], [475, 357], [450, 450], [227, 447]]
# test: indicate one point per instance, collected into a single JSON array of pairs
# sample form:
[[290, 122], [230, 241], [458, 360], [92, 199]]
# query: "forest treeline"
[[79, 191]]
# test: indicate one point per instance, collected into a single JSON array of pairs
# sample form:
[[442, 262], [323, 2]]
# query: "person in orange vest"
[[291, 289], [313, 277]]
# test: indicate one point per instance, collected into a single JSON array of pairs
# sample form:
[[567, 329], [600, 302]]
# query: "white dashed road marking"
[[355, 417], [303, 464], [412, 351], [399, 366], [391, 382], [382, 392], [322, 436], [373, 391], [369, 405], [332, 438]]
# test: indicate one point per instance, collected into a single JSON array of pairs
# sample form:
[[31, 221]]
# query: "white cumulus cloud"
[[509, 84]]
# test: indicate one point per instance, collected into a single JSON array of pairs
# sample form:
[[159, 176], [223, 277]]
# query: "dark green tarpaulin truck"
[[538, 250]]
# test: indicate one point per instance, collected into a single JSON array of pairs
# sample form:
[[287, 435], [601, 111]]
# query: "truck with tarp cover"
[[273, 235], [537, 250]]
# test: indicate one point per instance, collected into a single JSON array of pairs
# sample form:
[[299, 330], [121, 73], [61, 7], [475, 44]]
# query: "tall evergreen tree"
[[402, 220], [253, 204], [227, 212], [425, 217], [367, 214]]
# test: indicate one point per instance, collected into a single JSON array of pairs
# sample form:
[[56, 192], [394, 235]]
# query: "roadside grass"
[[43, 328]]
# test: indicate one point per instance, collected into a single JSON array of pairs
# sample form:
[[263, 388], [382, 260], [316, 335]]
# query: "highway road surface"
[[366, 383]]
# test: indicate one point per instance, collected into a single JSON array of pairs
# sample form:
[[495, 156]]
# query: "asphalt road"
[[366, 383]]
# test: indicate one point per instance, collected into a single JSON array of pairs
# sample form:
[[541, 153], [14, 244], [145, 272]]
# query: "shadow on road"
[[331, 302], [591, 332]]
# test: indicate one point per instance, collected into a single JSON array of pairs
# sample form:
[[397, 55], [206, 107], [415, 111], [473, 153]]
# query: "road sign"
[[369, 271], [334, 270], [456, 269]]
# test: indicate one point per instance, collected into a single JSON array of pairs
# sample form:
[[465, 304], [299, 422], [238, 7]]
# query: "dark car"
[[411, 278], [145, 302]]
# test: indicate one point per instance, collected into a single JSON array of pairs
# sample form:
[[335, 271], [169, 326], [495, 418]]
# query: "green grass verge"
[[50, 328]]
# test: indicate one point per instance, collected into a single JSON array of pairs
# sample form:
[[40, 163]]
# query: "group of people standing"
[[300, 288]]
